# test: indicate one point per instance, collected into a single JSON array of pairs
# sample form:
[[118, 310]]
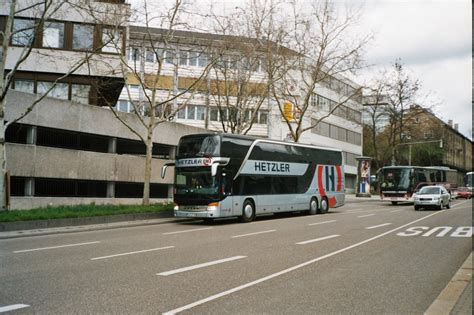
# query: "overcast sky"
[[433, 39]]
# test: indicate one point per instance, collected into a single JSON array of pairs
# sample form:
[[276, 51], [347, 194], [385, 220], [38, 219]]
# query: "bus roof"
[[254, 139]]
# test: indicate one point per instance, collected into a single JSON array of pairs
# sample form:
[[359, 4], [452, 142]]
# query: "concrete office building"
[[184, 58], [70, 148]]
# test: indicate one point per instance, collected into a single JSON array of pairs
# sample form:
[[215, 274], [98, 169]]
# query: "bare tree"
[[393, 98], [25, 35], [325, 51], [238, 81], [162, 93]]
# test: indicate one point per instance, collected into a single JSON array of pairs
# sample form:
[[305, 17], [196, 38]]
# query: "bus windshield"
[[196, 181], [199, 146], [395, 179]]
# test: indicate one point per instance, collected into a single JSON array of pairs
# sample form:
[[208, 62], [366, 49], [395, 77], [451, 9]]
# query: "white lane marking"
[[323, 222], [367, 215], [255, 233], [211, 263], [458, 204], [355, 210], [54, 247], [377, 226], [131, 253], [318, 239], [12, 307], [396, 210], [187, 231], [250, 284]]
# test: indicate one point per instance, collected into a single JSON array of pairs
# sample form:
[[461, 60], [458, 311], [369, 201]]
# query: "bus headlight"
[[175, 206], [212, 206]]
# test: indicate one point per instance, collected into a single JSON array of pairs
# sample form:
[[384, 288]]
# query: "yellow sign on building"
[[288, 110]]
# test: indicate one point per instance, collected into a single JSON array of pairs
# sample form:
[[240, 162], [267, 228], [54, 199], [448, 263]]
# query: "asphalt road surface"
[[363, 258]]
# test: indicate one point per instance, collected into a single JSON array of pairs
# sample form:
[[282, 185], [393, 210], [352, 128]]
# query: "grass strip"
[[79, 211]]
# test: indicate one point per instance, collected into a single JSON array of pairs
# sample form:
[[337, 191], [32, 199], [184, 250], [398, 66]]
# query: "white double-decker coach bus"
[[223, 175]]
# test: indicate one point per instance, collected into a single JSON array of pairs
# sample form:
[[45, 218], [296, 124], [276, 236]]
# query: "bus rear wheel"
[[324, 206], [313, 206], [248, 211]]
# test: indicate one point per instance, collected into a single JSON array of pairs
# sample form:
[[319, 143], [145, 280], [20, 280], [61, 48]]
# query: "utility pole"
[[409, 148]]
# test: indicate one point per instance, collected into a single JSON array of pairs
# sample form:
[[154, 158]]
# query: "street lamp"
[[409, 148]]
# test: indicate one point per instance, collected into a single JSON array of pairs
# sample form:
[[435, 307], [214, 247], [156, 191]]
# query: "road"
[[365, 257]]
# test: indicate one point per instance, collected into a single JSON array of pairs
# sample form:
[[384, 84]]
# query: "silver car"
[[432, 197]]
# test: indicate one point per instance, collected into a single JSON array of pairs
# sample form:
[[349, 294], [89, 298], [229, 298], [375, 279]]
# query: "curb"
[[61, 226], [447, 299]]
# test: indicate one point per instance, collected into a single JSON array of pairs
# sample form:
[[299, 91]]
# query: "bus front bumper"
[[196, 211]]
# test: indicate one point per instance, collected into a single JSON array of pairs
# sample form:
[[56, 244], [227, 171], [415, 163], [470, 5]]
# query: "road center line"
[[54, 247], [377, 226], [318, 239], [12, 307], [187, 231], [367, 215], [211, 263], [250, 284], [256, 233], [323, 222], [131, 253]]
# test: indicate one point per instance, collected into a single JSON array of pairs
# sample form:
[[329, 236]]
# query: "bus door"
[[226, 203]]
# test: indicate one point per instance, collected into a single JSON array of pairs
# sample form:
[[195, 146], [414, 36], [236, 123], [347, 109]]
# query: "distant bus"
[[468, 181], [224, 175], [398, 183]]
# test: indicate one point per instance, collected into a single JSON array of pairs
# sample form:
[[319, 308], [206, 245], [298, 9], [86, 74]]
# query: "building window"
[[83, 37], [263, 118], [169, 57], [150, 55], [214, 114], [111, 40], [53, 35], [23, 32], [202, 60], [192, 112], [134, 54], [123, 106], [200, 112], [25, 86], [80, 93], [58, 90]]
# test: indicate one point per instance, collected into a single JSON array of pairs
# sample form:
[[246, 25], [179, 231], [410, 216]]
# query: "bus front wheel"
[[248, 211], [324, 206]]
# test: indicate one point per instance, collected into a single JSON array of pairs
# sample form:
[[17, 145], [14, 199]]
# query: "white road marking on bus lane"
[[12, 307], [367, 215], [132, 253], [309, 262], [318, 239], [377, 226], [323, 222], [54, 247], [187, 231], [255, 233], [211, 263]]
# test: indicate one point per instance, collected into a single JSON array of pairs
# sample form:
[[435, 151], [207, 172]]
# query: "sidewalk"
[[456, 298]]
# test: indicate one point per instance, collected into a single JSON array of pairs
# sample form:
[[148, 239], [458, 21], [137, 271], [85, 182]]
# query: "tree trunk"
[[146, 183], [3, 160]]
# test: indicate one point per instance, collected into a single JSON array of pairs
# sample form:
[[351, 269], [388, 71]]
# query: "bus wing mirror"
[[214, 168], [163, 169]]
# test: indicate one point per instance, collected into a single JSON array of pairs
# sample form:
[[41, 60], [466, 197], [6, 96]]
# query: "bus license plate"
[[190, 214]]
